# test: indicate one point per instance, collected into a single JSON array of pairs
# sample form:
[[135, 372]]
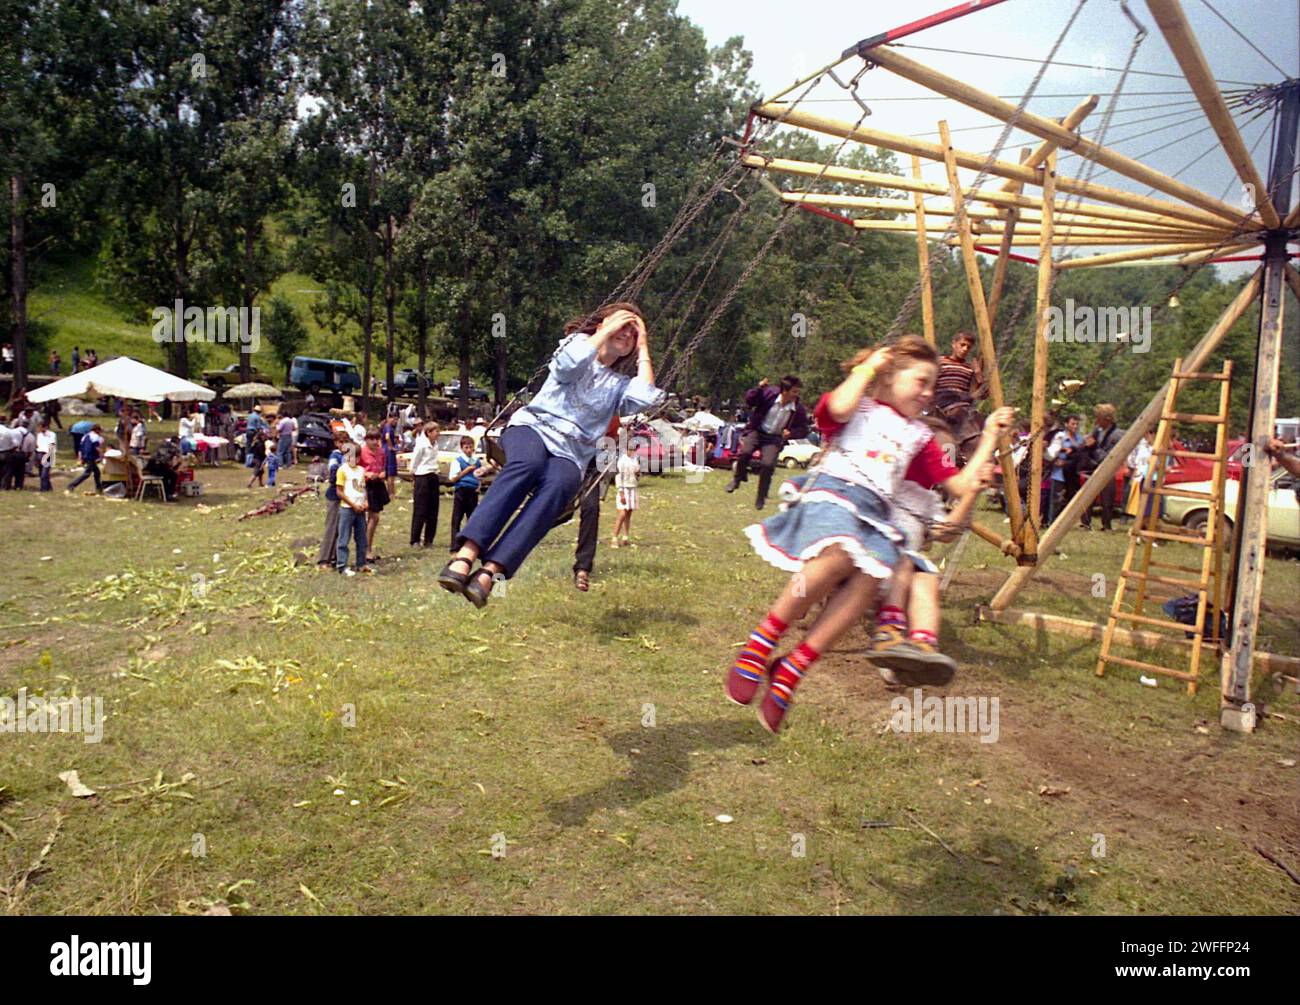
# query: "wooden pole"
[[1012, 217], [979, 162], [1047, 129], [1038, 156], [1004, 545], [877, 179], [1252, 526], [1178, 33], [1037, 417], [923, 261], [995, 216], [1068, 517], [989, 353], [1140, 254], [1028, 237]]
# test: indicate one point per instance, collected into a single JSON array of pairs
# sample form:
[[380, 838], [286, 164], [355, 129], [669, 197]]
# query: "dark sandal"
[[452, 581], [475, 593]]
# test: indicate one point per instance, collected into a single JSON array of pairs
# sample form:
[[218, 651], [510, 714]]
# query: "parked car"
[[315, 436], [797, 453], [307, 373], [407, 381], [1283, 508], [229, 377], [474, 393]]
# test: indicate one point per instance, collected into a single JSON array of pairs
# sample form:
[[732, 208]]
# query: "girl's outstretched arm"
[[968, 479]]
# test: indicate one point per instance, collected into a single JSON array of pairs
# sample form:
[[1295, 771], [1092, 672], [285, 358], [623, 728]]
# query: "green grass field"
[[280, 740]]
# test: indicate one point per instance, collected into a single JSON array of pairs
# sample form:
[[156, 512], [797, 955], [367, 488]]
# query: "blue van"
[[307, 373]]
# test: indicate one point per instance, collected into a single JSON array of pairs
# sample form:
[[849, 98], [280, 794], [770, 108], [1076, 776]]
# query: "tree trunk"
[[245, 363], [180, 357], [18, 276], [462, 399], [422, 336], [368, 324], [390, 295]]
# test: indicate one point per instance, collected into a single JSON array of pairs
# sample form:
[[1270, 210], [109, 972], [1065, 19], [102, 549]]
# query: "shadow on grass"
[[662, 765], [998, 875]]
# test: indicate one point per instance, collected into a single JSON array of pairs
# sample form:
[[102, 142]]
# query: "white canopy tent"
[[704, 422], [123, 378]]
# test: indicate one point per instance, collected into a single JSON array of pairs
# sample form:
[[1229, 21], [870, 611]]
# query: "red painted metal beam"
[[943, 17], [1010, 254], [817, 210]]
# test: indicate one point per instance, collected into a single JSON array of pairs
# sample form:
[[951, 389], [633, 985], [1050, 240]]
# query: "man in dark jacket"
[[775, 416], [1096, 446]]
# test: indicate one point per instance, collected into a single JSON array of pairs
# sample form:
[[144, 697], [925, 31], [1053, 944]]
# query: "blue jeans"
[[286, 444], [45, 477], [351, 524], [92, 468], [553, 482]]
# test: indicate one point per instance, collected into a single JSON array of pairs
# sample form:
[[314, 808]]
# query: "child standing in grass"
[[837, 538], [625, 480], [351, 482]]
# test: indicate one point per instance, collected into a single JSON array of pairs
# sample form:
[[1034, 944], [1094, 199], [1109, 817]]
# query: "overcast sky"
[[1156, 119]]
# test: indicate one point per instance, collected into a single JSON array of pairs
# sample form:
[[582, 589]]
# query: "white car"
[[1283, 508], [797, 453]]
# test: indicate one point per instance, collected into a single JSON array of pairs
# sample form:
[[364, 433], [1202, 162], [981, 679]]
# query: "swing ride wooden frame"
[[1037, 206]]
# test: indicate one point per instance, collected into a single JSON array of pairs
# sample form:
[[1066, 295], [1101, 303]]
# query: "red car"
[[655, 457]]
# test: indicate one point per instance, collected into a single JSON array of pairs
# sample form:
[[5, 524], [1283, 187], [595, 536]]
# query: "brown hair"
[[588, 324], [904, 351]]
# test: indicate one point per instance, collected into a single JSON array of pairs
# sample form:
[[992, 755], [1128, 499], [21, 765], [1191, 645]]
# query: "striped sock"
[[790, 671], [891, 615], [921, 635], [751, 662]]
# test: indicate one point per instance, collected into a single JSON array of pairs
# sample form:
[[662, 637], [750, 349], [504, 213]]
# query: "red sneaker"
[[745, 678], [771, 712]]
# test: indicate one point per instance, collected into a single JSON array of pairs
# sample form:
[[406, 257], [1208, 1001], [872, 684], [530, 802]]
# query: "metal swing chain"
[[631, 284], [909, 305]]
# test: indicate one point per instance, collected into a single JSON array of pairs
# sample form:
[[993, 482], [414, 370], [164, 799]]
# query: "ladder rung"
[[1199, 584], [1201, 375], [1162, 536], [1193, 454], [1181, 493], [1195, 417], [1173, 567], [1180, 674], [1142, 619]]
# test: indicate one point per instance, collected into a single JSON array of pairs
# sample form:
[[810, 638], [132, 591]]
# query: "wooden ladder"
[[1209, 582]]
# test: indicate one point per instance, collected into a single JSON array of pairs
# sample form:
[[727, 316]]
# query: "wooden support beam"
[[1081, 629], [1038, 156], [1011, 218], [979, 162], [988, 351], [1153, 252], [877, 179], [1028, 237], [923, 261], [1105, 472], [1293, 279], [1251, 527], [1047, 129], [1039, 399], [1028, 216], [1004, 545], [1178, 33]]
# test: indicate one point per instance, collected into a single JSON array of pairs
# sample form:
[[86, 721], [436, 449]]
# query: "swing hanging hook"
[[1141, 28]]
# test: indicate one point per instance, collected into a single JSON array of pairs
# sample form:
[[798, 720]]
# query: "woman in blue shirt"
[[601, 368]]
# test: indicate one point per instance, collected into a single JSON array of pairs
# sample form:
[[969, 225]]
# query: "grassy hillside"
[[76, 312]]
